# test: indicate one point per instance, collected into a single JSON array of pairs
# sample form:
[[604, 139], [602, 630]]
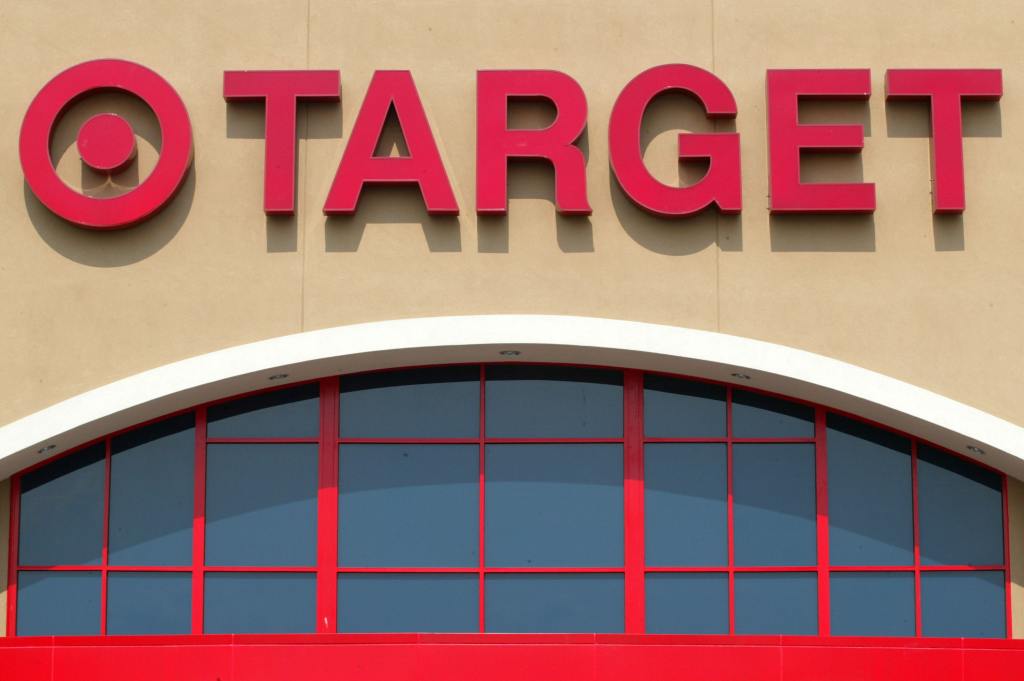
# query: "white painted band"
[[547, 338]]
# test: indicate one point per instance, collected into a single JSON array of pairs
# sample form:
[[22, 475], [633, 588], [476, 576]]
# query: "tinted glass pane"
[[531, 401], [963, 604], [261, 504], [961, 507], [676, 408], [756, 415], [691, 603], [443, 402], [291, 412], [557, 505], [259, 603], [545, 603], [872, 603], [62, 511], [152, 478], [685, 498], [870, 496], [777, 603], [774, 504], [149, 603], [409, 505], [428, 603], [58, 603]]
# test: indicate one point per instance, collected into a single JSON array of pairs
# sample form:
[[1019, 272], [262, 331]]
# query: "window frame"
[[633, 570]]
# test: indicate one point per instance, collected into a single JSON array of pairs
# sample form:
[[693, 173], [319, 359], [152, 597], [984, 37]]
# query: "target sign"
[[106, 143]]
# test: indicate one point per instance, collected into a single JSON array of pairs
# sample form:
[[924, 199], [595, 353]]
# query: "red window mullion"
[[482, 510], [821, 480], [12, 557], [199, 522], [729, 510], [1006, 557], [633, 432], [107, 538], [327, 510], [917, 539]]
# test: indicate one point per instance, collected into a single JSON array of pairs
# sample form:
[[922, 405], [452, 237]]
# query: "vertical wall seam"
[[301, 211]]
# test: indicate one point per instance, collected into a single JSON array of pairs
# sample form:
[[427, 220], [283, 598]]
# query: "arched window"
[[510, 498]]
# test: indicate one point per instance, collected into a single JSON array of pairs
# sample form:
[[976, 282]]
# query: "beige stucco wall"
[[935, 302], [938, 303], [5, 527], [1016, 504]]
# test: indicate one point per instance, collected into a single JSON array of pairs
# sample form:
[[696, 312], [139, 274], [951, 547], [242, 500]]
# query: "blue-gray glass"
[[755, 415], [961, 510], [62, 511], [870, 495], [678, 408], [436, 402], [58, 603], [872, 603], [148, 603], [152, 482], [259, 603], [261, 504], [686, 511], [409, 505], [550, 401], [774, 511], [554, 505], [289, 412], [963, 604], [408, 602], [551, 603], [687, 603], [776, 603]]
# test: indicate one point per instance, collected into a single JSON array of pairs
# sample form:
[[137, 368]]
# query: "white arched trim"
[[547, 338]]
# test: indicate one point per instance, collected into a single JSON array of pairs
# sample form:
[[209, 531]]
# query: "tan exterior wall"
[[935, 302], [5, 537], [1016, 503], [938, 303]]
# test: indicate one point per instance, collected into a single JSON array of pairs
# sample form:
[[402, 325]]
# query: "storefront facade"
[[386, 408]]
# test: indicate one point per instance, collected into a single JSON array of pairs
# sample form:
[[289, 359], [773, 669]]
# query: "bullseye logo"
[[106, 143]]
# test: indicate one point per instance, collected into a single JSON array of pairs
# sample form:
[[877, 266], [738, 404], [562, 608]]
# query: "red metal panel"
[[127, 662], [413, 657], [993, 664], [504, 661], [372, 662], [693, 662], [840, 663]]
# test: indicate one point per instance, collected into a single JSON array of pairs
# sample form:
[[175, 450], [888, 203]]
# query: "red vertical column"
[[821, 490], [633, 433], [199, 522], [917, 539], [327, 510], [482, 511], [1006, 557], [105, 555], [12, 558], [729, 511]]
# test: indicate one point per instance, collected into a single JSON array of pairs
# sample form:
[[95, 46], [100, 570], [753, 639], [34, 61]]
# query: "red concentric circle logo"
[[106, 143]]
